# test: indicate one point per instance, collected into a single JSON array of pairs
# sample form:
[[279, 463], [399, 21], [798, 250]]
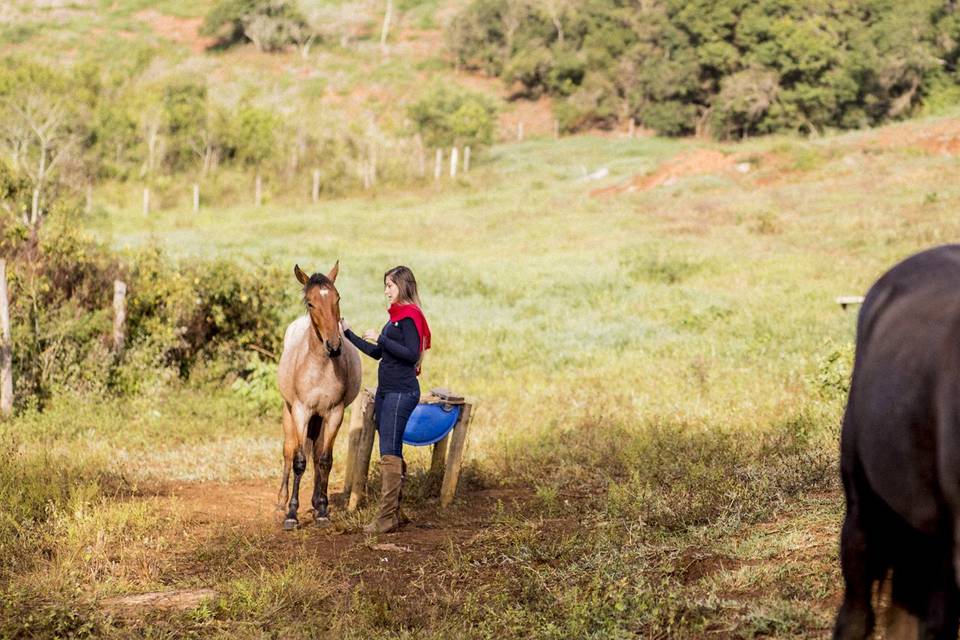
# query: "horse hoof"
[[321, 521], [290, 524]]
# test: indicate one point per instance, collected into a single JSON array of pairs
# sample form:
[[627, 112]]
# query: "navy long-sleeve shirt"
[[397, 349]]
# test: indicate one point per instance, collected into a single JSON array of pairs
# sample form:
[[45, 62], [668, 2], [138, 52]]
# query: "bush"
[[447, 116], [179, 315], [271, 25]]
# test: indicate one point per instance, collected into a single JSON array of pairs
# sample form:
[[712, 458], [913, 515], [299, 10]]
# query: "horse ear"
[[333, 272], [301, 276]]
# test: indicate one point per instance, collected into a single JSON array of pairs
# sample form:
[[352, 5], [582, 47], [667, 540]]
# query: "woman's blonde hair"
[[406, 283]]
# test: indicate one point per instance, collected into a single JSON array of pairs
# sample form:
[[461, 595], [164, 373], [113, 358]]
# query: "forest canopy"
[[730, 68]]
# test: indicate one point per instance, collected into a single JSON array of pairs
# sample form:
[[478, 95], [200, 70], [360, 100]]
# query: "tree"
[[38, 129], [447, 116], [270, 25]]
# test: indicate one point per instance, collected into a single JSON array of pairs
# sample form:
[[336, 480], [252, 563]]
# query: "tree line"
[[729, 68], [144, 120]]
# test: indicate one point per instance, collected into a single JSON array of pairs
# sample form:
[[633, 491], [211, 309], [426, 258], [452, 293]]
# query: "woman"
[[399, 347]]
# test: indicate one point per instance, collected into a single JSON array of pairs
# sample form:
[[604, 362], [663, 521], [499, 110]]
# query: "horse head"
[[323, 304]]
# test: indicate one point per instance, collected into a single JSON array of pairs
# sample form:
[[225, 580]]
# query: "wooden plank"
[[361, 468], [844, 301], [458, 441]]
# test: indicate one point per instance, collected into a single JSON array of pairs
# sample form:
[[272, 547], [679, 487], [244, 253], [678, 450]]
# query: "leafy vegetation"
[[732, 68], [450, 117]]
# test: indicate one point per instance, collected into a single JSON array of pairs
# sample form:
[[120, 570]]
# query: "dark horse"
[[900, 452]]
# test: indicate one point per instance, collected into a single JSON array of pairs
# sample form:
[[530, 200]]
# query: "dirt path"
[[231, 529]]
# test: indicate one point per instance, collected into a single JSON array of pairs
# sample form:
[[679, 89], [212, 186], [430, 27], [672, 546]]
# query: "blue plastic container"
[[429, 423]]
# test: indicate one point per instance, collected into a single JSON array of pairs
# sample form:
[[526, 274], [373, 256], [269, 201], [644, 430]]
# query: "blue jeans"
[[392, 410]]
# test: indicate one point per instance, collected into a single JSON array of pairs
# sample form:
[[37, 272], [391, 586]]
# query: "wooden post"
[[520, 131], [315, 192], [458, 441], [633, 126], [421, 157], [353, 440], [466, 159], [438, 455], [386, 27], [454, 152], [88, 206], [556, 128], [6, 349], [438, 165], [358, 486], [35, 207], [119, 315], [196, 197], [369, 173], [146, 200], [258, 191]]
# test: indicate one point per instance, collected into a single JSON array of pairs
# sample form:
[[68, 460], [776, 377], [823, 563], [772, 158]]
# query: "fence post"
[[361, 466], [438, 165], [258, 193], [88, 206], [315, 192], [556, 128], [466, 159], [520, 131], [453, 162], [119, 315], [196, 197], [35, 207], [456, 446], [6, 349], [146, 200], [421, 157], [633, 126]]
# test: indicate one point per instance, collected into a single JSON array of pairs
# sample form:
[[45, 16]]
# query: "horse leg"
[[289, 448], [323, 461], [299, 466], [855, 619]]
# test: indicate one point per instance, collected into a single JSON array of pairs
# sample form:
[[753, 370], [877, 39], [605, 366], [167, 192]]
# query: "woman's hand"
[[344, 325], [370, 335]]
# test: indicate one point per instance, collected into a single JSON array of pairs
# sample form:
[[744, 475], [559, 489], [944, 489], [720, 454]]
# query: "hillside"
[[345, 72]]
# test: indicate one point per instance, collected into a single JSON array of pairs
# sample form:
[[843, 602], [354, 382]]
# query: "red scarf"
[[400, 311]]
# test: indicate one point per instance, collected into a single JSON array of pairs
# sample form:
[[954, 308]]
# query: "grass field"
[[656, 358], [659, 376]]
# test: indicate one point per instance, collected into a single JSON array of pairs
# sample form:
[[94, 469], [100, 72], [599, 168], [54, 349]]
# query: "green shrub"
[[270, 24], [447, 116], [178, 314]]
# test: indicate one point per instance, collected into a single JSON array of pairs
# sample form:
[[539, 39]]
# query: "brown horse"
[[318, 376]]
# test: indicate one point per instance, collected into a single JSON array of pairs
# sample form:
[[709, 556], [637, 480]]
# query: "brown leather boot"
[[402, 518], [391, 478]]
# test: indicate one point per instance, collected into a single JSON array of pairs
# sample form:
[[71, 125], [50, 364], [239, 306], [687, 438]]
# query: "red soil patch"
[[694, 163], [186, 31], [418, 43], [937, 138]]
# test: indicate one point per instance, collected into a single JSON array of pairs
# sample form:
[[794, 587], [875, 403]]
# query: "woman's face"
[[391, 290]]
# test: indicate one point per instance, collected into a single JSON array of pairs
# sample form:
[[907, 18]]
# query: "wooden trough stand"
[[447, 458]]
